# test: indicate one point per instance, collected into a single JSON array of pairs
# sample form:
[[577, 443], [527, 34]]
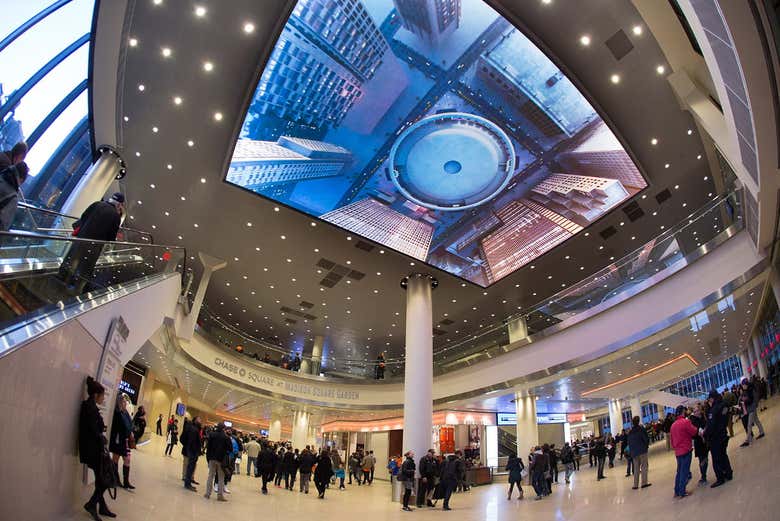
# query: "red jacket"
[[682, 433]]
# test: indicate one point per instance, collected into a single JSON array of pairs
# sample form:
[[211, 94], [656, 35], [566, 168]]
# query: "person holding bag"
[[514, 466], [122, 439], [92, 449]]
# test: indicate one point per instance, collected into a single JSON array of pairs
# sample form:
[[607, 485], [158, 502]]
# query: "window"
[[43, 92]]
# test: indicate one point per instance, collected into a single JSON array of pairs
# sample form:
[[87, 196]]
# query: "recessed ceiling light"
[[217, 116], [137, 154], [166, 52], [200, 11], [195, 225], [546, 2], [615, 78], [637, 30], [133, 42], [141, 87], [249, 27], [169, 166], [183, 198], [654, 141], [152, 186], [177, 100], [208, 66], [690, 131], [667, 165], [585, 40], [698, 157], [155, 130], [676, 187], [660, 69], [190, 143]]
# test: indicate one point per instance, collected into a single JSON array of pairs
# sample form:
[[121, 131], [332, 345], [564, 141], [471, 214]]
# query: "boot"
[[126, 474], [103, 509], [92, 509]]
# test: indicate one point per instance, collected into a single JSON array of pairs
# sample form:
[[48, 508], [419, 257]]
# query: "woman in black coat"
[[92, 443], [119, 445], [700, 448], [406, 475], [323, 472], [514, 466]]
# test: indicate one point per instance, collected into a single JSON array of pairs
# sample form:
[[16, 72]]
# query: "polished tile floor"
[[751, 495]]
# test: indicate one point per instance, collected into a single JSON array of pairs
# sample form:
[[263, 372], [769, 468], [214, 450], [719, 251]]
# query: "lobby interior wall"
[[43, 386], [551, 433], [380, 444]]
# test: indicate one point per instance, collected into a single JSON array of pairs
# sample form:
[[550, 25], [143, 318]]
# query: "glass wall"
[[768, 332], [723, 374], [44, 59]]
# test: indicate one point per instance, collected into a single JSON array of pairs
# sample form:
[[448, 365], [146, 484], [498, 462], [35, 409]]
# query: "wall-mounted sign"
[[510, 418]]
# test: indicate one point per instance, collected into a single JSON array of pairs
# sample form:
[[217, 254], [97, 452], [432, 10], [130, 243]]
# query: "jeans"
[[569, 470], [168, 449], [304, 482], [753, 420], [601, 461], [629, 465], [449, 487], [539, 484], [289, 479], [367, 476], [640, 467], [554, 472], [250, 462], [215, 470], [191, 461], [683, 473]]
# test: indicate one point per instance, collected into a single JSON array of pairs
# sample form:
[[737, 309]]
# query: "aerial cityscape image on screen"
[[432, 127]]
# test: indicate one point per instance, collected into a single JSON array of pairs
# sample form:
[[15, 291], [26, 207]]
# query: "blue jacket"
[[638, 441]]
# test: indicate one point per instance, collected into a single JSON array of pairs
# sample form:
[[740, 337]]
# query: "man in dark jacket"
[[16, 155], [99, 222], [451, 470], [190, 440], [219, 446], [266, 463], [11, 179], [305, 463], [717, 438], [428, 472], [638, 442]]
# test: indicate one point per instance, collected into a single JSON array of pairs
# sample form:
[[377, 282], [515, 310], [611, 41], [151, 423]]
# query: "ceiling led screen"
[[432, 127]]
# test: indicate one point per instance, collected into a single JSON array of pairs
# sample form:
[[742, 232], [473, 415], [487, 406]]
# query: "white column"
[[527, 429], [95, 182], [418, 372], [761, 366], [316, 354], [636, 407], [185, 324], [517, 329], [311, 436], [275, 429], [615, 417], [300, 429], [744, 361]]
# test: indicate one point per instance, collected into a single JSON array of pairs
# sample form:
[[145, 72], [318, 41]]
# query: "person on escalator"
[[99, 222], [11, 179]]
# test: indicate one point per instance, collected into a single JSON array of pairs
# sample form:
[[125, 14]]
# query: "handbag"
[[131, 441], [106, 473]]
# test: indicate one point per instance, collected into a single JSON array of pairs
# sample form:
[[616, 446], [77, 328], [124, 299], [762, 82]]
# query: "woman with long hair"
[[92, 443], [122, 438]]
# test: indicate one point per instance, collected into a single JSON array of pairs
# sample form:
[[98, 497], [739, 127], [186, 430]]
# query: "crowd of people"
[[701, 431]]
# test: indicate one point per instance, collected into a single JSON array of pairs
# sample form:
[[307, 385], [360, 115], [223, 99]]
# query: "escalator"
[[507, 443], [45, 275]]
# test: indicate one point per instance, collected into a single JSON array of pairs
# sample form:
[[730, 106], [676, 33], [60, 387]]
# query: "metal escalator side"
[[45, 279]]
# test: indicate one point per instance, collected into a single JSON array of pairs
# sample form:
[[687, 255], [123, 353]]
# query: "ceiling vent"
[[299, 314], [305, 304], [325, 264], [633, 211], [619, 45], [363, 245], [608, 232], [446, 322], [290, 321], [356, 275], [713, 347], [663, 196], [438, 332]]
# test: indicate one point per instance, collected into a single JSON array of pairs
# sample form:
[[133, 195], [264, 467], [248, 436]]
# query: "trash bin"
[[397, 488]]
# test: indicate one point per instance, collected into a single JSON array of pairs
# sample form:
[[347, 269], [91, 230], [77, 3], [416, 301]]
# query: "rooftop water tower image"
[[452, 161]]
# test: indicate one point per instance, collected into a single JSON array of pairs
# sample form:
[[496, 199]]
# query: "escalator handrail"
[[31, 235], [28, 206]]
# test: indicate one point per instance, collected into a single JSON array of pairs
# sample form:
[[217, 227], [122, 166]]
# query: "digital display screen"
[[432, 127], [181, 409], [130, 384], [510, 418]]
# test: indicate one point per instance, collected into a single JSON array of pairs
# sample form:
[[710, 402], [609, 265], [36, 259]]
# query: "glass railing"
[[671, 251], [43, 274], [31, 218]]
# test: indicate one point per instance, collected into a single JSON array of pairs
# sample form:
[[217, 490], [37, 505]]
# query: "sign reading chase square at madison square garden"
[[432, 127]]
